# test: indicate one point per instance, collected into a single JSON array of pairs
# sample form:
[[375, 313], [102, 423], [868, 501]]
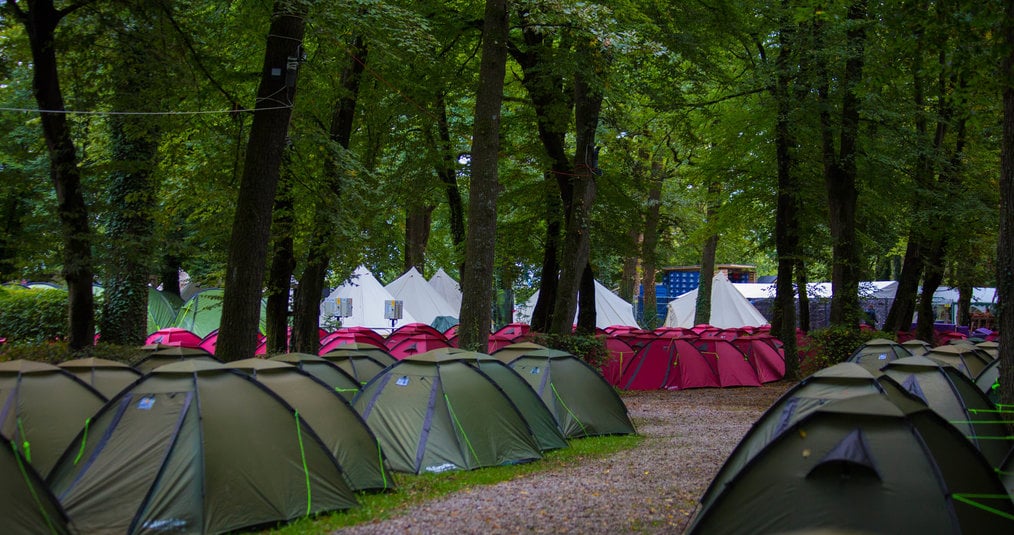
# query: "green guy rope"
[[458, 425], [25, 445], [84, 440], [380, 457], [968, 499], [31, 488], [306, 471], [570, 412]]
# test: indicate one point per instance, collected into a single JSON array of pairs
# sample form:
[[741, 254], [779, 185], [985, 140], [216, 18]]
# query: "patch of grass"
[[413, 490]]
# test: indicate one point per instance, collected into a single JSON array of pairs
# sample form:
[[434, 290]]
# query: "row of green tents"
[[201, 314], [198, 446]]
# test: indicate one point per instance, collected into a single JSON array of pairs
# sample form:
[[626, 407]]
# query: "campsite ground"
[[652, 488]]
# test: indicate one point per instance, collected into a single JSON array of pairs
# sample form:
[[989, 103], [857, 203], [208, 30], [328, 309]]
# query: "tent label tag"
[[402, 381], [883, 356], [146, 403], [535, 370]]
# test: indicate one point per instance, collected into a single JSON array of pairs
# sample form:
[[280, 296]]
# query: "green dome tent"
[[957, 399], [876, 352], [582, 402], [362, 366], [434, 415], [841, 381], [163, 308], [966, 358], [27, 505], [201, 314], [43, 409], [327, 372], [195, 447], [158, 355], [531, 407], [329, 414], [863, 464], [107, 376]]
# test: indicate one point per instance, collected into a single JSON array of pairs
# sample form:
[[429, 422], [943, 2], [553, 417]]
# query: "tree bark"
[[1005, 242], [702, 310], [306, 323], [283, 261], [418, 220], [251, 226], [899, 318], [649, 244], [446, 171], [587, 315], [477, 284], [130, 224], [840, 175], [40, 21]]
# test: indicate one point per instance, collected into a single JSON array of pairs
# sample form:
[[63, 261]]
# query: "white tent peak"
[[419, 298], [448, 288], [729, 309], [610, 309], [368, 297]]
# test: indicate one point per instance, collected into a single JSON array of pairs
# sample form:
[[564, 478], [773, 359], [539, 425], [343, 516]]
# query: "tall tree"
[[40, 19], [252, 222], [1005, 243], [840, 171], [477, 283], [702, 310]]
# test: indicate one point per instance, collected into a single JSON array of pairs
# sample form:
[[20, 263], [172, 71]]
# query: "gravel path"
[[650, 489]]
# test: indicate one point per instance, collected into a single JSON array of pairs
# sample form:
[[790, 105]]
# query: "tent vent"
[[849, 459], [911, 384]]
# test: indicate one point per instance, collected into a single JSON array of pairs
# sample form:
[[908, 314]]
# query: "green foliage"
[[32, 316], [56, 352], [414, 490], [591, 349], [830, 346]]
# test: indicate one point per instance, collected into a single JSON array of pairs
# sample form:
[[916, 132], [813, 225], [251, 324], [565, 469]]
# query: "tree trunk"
[[418, 220], [40, 21], [1005, 242], [283, 261], [649, 244], [702, 310], [934, 275], [802, 281], [628, 276], [576, 251], [446, 171], [587, 315], [899, 318], [251, 226], [134, 144], [306, 308], [965, 290], [840, 175], [787, 206], [477, 284], [542, 315]]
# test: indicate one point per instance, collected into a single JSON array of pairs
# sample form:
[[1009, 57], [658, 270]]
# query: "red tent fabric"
[[649, 367], [414, 344], [174, 336], [620, 354], [729, 363], [352, 335], [691, 369], [767, 362]]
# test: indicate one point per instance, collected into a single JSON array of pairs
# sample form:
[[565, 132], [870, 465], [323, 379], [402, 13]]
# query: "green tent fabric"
[[380, 354], [27, 506], [521, 394], [582, 402], [875, 353], [508, 353], [202, 313], [841, 381], [195, 447], [966, 358], [43, 409], [988, 379], [362, 366], [163, 308], [107, 376], [865, 464], [916, 347], [161, 355], [434, 417], [957, 399], [327, 372], [330, 415]]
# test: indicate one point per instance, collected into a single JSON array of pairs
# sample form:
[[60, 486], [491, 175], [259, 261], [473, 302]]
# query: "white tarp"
[[420, 299], [729, 309], [815, 290], [610, 309], [448, 288], [368, 297]]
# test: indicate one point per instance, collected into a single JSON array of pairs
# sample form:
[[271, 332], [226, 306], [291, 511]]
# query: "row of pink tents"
[[666, 358]]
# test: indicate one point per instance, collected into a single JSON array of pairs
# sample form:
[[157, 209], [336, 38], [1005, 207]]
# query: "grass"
[[412, 489]]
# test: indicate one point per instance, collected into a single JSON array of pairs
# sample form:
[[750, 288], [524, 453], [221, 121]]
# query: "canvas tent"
[[434, 415], [167, 458], [368, 297], [610, 309], [42, 409], [421, 300], [729, 309], [330, 415], [27, 507], [448, 288], [863, 464], [582, 402]]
